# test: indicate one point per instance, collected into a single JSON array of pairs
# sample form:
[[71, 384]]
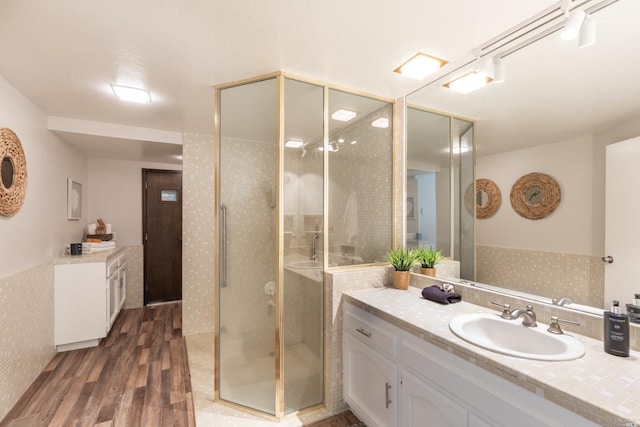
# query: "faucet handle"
[[506, 313], [555, 328]]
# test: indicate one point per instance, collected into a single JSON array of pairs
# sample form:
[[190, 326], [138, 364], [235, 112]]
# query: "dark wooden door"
[[162, 235]]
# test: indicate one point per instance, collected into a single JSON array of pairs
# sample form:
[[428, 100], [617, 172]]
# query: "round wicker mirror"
[[535, 196], [487, 198], [13, 173]]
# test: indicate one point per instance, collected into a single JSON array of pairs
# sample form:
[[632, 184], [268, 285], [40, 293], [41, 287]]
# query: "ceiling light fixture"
[[131, 94], [380, 122], [343, 115], [469, 82], [292, 143], [420, 66], [573, 24], [587, 32], [499, 71], [354, 142]]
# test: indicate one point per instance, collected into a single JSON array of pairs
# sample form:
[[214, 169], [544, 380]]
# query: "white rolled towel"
[[108, 228], [91, 228]]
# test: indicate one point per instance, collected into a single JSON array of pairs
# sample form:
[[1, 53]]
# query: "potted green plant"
[[402, 260], [428, 258]]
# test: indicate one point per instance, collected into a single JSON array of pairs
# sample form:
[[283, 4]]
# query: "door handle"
[[608, 259], [223, 245]]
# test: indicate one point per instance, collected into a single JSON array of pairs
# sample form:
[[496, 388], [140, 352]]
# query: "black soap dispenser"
[[616, 331]]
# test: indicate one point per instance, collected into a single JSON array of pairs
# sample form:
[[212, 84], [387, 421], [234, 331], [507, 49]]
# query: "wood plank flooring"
[[137, 376], [346, 419]]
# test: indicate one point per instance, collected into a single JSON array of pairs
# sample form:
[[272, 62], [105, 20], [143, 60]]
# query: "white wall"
[[40, 230], [570, 229], [116, 196], [30, 239]]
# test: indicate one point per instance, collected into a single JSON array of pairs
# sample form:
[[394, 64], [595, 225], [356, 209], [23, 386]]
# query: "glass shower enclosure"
[[304, 182], [269, 334]]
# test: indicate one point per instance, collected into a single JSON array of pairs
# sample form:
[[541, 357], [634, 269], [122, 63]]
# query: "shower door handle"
[[223, 245]]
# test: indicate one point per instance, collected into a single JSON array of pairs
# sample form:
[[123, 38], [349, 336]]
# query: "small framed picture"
[[74, 199]]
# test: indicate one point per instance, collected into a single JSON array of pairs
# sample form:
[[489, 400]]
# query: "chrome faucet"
[[528, 316], [312, 255], [562, 301]]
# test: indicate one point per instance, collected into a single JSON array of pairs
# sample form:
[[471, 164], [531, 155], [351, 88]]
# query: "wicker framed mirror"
[[535, 196], [13, 173], [487, 198]]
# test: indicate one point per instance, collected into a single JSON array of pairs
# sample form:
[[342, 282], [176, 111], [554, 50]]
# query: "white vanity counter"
[[86, 258], [600, 387]]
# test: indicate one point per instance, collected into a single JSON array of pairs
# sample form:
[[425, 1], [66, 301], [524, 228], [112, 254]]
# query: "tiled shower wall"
[[550, 274], [26, 322]]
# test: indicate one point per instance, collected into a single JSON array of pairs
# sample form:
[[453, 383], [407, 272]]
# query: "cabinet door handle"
[[387, 387], [363, 332]]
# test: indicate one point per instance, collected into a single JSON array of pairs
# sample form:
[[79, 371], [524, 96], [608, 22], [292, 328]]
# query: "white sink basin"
[[304, 264], [509, 337]]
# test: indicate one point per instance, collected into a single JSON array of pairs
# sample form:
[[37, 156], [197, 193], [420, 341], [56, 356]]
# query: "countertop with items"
[[599, 386], [101, 256]]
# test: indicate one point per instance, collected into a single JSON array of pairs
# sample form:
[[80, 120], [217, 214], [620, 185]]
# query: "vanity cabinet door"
[[475, 421], [370, 384], [423, 405]]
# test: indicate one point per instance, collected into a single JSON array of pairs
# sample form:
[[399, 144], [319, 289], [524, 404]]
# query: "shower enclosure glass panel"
[[303, 245], [247, 195], [360, 179]]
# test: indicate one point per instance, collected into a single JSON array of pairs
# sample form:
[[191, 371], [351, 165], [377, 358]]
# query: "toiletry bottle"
[[616, 331]]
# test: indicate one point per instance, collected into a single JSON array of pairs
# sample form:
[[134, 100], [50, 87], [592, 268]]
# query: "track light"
[[499, 71], [573, 24], [587, 32]]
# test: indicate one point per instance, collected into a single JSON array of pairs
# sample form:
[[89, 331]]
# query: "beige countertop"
[[598, 386], [87, 258]]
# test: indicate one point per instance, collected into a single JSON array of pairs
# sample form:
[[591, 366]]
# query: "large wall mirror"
[[557, 111]]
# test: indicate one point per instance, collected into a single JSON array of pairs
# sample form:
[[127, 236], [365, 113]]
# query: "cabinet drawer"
[[366, 328]]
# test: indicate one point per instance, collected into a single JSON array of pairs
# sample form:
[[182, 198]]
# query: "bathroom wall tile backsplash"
[[26, 322], [551, 274]]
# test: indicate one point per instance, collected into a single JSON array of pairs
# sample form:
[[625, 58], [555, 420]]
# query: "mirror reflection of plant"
[[402, 259], [428, 258]]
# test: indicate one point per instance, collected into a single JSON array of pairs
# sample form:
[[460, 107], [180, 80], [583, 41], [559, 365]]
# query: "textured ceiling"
[[63, 54]]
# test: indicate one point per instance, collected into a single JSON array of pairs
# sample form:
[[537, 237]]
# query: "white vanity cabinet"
[[429, 385], [89, 292]]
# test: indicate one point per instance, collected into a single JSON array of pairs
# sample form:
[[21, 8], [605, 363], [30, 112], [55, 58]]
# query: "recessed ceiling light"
[[341, 140], [380, 122], [468, 82], [292, 143], [420, 66], [354, 142], [131, 94], [343, 115]]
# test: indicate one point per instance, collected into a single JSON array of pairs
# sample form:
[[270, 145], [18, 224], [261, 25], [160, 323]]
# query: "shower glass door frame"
[[221, 267]]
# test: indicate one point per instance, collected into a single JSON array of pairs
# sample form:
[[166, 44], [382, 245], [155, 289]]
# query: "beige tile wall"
[[135, 267], [336, 283], [551, 274], [26, 322], [198, 250]]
